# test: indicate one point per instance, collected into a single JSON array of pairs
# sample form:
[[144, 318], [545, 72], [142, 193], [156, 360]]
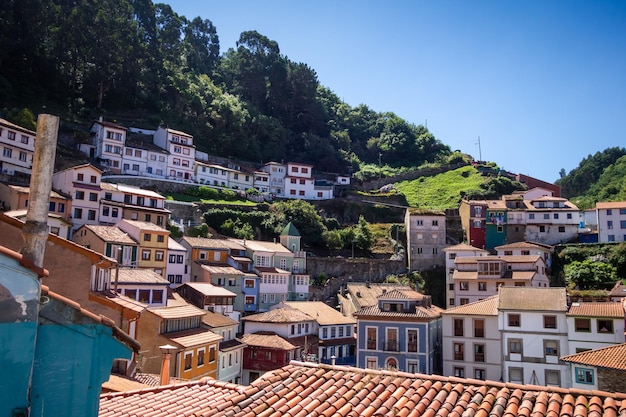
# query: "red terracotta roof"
[[266, 340], [486, 307], [306, 389], [613, 357], [608, 309]]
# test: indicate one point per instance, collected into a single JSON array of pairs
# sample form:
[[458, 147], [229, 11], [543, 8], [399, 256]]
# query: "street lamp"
[[380, 168]]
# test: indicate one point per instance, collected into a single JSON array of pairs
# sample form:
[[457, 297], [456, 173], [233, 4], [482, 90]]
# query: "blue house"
[[55, 355], [402, 332]]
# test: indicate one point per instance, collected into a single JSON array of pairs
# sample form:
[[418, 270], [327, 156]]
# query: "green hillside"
[[441, 191]]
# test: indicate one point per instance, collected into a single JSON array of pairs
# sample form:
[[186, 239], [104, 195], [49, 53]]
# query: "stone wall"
[[611, 380], [341, 271]]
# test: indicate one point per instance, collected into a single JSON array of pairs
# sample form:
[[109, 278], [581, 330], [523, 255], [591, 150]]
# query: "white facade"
[[611, 221], [471, 343], [176, 270], [551, 220], [595, 325], [134, 161], [181, 153], [210, 174], [109, 140], [453, 252], [82, 184], [533, 329], [18, 147], [277, 172], [476, 278], [262, 181]]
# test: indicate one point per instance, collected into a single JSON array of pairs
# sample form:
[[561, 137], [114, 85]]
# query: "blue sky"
[[542, 83]]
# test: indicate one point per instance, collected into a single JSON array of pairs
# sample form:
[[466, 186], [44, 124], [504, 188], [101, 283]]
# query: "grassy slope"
[[441, 191]]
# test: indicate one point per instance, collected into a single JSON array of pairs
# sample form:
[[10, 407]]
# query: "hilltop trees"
[[146, 64]]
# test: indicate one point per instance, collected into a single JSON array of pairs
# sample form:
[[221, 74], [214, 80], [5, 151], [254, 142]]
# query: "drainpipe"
[[35, 230]]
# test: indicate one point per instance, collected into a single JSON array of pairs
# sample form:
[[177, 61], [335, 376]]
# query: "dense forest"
[[598, 177], [142, 64]]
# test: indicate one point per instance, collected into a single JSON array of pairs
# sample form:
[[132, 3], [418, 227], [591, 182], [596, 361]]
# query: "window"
[[464, 285], [144, 296], [515, 345], [160, 238], [371, 363], [188, 356], [435, 222], [371, 338], [458, 327], [561, 229], [459, 351], [78, 213], [611, 238], [212, 354], [549, 322], [80, 195], [542, 229], [551, 347], [514, 320], [147, 237], [464, 301], [93, 179], [479, 353], [91, 215], [61, 207], [158, 255], [516, 375], [459, 372], [25, 139], [546, 216], [10, 135], [23, 156], [479, 328], [553, 377], [93, 197], [480, 374], [609, 224], [52, 206], [145, 255], [7, 152], [584, 375], [482, 286], [605, 326], [622, 224], [582, 325], [200, 357]]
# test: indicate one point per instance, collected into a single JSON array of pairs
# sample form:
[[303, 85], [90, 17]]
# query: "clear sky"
[[542, 83]]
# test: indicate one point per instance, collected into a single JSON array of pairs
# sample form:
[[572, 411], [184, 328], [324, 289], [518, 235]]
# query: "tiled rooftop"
[[111, 234], [610, 204], [419, 312], [532, 298], [486, 307], [215, 320], [140, 276], [613, 357], [177, 312], [279, 315], [221, 269], [524, 245], [608, 309], [305, 389], [463, 247], [491, 258], [206, 288], [203, 242], [193, 337], [266, 340], [321, 312]]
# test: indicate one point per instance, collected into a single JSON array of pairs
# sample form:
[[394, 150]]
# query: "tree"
[[589, 274], [303, 215], [363, 235]]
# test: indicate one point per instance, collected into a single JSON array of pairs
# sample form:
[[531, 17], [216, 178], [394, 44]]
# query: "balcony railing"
[[391, 346]]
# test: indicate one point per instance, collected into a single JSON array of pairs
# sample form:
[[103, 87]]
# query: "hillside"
[[250, 103]]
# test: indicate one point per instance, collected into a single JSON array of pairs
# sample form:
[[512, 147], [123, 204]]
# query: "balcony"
[[391, 346]]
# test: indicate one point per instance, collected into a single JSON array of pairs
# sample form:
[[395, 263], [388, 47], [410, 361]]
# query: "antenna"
[[480, 154]]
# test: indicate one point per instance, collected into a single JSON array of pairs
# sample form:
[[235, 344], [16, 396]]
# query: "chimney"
[[332, 360], [35, 230], [167, 351]]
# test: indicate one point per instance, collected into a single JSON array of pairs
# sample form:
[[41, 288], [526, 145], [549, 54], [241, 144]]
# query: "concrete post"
[[35, 230]]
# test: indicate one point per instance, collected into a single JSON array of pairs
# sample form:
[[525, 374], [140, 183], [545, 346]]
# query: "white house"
[[181, 153], [277, 172], [471, 343], [109, 140], [527, 248], [453, 252], [592, 325], [533, 329], [230, 356], [211, 174], [82, 184], [551, 220], [611, 221], [176, 269], [476, 278], [18, 147]]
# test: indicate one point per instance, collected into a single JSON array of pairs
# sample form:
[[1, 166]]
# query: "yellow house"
[[153, 242]]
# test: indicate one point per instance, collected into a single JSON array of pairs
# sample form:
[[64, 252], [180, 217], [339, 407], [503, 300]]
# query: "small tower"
[[290, 238]]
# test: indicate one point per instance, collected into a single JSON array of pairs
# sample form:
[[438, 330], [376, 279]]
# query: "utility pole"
[[480, 154], [380, 168], [35, 229]]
